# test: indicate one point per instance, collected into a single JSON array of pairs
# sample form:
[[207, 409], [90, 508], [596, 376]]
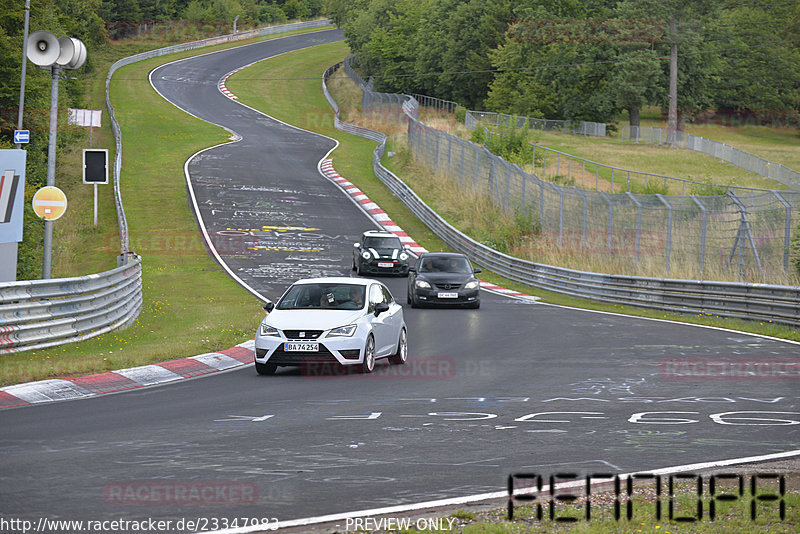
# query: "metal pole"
[[51, 169], [95, 204], [24, 66]]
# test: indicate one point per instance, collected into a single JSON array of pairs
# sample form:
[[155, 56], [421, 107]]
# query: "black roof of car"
[[443, 255]]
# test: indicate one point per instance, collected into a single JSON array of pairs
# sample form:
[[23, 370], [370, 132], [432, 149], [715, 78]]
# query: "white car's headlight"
[[422, 284], [403, 256], [366, 255], [343, 331], [267, 330], [471, 285]]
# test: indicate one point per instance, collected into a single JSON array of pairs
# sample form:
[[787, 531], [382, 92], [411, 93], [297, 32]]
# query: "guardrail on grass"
[[37, 314], [780, 304]]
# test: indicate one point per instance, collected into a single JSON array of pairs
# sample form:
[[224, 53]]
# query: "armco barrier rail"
[[780, 304], [43, 313]]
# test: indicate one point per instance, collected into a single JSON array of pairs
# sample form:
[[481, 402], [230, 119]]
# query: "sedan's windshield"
[[445, 265], [323, 297], [382, 242]]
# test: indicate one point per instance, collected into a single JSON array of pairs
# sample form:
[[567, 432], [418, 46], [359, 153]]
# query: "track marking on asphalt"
[[456, 501]]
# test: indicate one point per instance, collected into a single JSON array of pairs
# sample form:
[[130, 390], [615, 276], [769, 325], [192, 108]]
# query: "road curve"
[[514, 386]]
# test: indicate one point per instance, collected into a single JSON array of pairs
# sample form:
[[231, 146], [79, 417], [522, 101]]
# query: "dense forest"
[[582, 59]]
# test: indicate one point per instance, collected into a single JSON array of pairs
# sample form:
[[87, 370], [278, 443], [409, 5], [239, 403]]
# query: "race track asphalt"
[[513, 387]]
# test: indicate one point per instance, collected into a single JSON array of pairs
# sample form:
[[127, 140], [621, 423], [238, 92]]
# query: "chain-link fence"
[[557, 165], [749, 233], [474, 118], [740, 158]]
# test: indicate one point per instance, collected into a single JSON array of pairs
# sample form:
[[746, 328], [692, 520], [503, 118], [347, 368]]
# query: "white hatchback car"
[[318, 321]]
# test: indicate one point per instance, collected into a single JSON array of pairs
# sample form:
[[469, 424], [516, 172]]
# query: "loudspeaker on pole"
[[43, 48]]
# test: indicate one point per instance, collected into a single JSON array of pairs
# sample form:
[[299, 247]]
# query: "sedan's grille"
[[281, 357], [302, 334], [447, 286]]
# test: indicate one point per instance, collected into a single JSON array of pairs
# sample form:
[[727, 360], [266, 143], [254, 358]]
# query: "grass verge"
[[191, 306], [276, 88]]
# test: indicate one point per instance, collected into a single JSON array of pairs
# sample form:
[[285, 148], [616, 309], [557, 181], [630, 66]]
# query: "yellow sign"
[[49, 203]]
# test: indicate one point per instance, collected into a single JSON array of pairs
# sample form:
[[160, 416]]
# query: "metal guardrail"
[[37, 314], [780, 304], [45, 313], [735, 156]]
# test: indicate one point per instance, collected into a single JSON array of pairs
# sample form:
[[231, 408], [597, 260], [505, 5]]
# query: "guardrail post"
[[669, 231], [703, 223]]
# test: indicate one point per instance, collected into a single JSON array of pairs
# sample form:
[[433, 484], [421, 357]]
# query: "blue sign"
[[22, 136]]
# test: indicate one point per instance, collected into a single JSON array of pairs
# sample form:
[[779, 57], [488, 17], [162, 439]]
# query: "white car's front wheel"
[[369, 355], [401, 356]]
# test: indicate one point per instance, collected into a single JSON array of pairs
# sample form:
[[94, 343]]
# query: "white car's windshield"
[[445, 265], [323, 297]]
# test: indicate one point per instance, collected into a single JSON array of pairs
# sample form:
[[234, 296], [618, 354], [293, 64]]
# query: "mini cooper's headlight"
[[366, 255], [471, 285], [403, 256], [267, 330], [343, 331], [422, 284]]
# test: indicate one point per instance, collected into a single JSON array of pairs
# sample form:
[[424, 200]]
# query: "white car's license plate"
[[384, 264], [448, 295], [301, 347]]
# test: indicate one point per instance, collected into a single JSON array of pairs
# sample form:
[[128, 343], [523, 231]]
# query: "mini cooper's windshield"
[[382, 242], [323, 297]]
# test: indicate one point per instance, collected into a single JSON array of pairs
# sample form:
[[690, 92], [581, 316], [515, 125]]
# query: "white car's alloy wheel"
[[401, 356], [369, 355]]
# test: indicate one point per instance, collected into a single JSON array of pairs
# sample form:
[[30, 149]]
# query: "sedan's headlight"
[[403, 256], [267, 330], [366, 255], [343, 331], [471, 285], [422, 284]]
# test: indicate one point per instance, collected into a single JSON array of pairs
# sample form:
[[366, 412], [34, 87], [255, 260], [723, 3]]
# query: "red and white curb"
[[383, 220], [126, 379], [222, 87]]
